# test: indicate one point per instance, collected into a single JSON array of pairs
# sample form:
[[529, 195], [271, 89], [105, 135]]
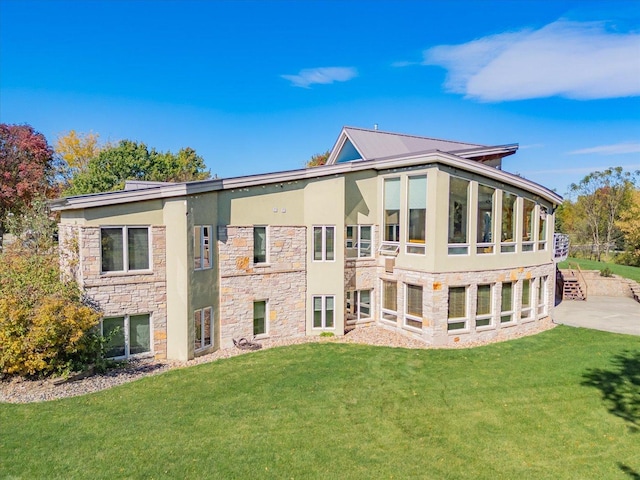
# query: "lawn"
[[622, 270], [528, 408]]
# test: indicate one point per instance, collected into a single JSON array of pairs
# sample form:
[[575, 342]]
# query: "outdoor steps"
[[572, 290], [635, 290]]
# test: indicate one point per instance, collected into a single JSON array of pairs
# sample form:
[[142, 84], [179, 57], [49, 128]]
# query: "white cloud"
[[568, 59], [308, 76], [616, 149]]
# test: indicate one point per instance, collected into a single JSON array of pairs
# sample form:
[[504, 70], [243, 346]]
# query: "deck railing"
[[560, 247]]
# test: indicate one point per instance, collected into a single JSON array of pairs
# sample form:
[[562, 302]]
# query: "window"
[[457, 310], [358, 241], [259, 244], [201, 247], [542, 295], [528, 225], [417, 200], [358, 305], [458, 213], [542, 228], [323, 243], [484, 237], [323, 311], [260, 318], [124, 249], [508, 231], [413, 307], [484, 306], [392, 210], [127, 336], [389, 301], [506, 304], [526, 297], [203, 328]]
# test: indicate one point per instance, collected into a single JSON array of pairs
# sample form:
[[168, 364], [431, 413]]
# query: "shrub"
[[606, 272]]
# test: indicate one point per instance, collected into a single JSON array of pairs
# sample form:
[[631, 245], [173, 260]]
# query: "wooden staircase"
[[573, 285]]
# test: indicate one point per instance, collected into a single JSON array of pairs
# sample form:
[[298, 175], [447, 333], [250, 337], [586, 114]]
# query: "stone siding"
[[281, 282], [118, 294]]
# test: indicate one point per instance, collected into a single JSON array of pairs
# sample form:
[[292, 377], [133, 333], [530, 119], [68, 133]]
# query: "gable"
[[348, 153]]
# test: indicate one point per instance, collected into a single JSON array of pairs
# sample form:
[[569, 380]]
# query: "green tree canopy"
[[129, 160]]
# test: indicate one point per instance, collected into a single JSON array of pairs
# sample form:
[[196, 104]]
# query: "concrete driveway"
[[611, 314]]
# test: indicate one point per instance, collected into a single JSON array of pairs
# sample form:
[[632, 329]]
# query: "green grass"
[[623, 270], [518, 409]]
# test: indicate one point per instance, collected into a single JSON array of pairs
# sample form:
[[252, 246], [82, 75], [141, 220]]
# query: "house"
[[426, 236]]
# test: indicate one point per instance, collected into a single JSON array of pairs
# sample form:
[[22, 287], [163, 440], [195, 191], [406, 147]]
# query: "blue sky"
[[258, 86]]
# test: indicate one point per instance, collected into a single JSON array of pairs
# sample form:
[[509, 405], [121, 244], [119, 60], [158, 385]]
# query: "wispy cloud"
[[574, 170], [615, 149], [578, 60], [309, 76]]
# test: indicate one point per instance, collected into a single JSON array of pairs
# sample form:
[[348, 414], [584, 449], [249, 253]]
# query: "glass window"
[[324, 243], [389, 301], [392, 210], [542, 229], [417, 202], [259, 244], [203, 328], [528, 225], [201, 247], [506, 303], [118, 256], [113, 331], [358, 241], [484, 306], [259, 318], [139, 334], [458, 215], [542, 295], [358, 305], [323, 311], [508, 231], [457, 308], [525, 310], [127, 336], [484, 236], [413, 309]]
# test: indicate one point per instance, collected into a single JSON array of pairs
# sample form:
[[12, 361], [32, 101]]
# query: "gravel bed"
[[17, 390]]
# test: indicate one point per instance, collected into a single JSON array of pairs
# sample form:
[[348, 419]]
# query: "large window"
[[506, 303], [127, 336], [458, 215], [457, 309], [413, 307], [416, 233], [528, 225], [201, 247], [358, 241], [542, 295], [389, 301], [323, 311], [542, 228], [124, 249], [203, 328], [391, 210], [526, 312], [260, 244], [508, 230], [324, 239], [484, 237], [358, 305], [260, 318], [484, 306]]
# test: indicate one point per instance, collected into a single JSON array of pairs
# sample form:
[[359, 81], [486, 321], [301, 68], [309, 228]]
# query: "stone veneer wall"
[[119, 294], [282, 282], [435, 303]]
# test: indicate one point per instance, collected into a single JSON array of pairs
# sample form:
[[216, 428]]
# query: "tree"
[[318, 159], [76, 149], [629, 225], [26, 169], [130, 160]]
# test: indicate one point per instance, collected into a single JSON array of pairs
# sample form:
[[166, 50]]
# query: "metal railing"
[[560, 247]]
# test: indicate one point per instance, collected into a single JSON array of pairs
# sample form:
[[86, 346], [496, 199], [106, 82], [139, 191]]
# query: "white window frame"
[[510, 246], [266, 318], [354, 243], [529, 245], [415, 248], [543, 291], [355, 304], [127, 344], [323, 317], [125, 249], [202, 312], [526, 313], [510, 312], [409, 317], [455, 320], [462, 248], [486, 248], [486, 316], [387, 311], [205, 247], [542, 216], [266, 246], [323, 243]]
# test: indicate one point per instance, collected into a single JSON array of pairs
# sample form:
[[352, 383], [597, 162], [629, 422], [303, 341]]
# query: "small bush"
[[327, 334], [606, 272]]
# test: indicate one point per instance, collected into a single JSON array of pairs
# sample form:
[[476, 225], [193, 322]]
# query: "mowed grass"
[[585, 264], [529, 408]]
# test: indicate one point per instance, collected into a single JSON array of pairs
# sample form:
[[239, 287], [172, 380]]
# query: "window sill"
[[126, 273]]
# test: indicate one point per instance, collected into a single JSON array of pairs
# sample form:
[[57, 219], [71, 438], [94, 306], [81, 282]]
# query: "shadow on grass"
[[620, 388], [631, 473]]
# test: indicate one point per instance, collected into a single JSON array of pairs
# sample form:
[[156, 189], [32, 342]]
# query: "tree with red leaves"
[[26, 169]]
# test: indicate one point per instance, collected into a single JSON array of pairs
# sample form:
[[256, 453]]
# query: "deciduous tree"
[[318, 159]]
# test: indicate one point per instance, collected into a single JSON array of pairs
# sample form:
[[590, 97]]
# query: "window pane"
[[414, 300], [365, 303], [197, 327], [113, 331], [259, 244], [329, 242], [138, 248], [364, 242], [139, 334], [484, 300], [112, 254], [508, 217], [389, 299], [208, 325], [197, 250], [259, 318], [317, 243], [458, 209], [392, 210], [485, 214], [457, 302], [527, 224], [417, 209], [206, 247], [507, 297], [317, 312], [526, 293], [329, 312]]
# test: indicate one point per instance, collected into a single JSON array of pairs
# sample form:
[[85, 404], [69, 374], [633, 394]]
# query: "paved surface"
[[611, 314]]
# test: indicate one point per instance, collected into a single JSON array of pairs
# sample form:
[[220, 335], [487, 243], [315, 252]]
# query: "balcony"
[[560, 247]]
